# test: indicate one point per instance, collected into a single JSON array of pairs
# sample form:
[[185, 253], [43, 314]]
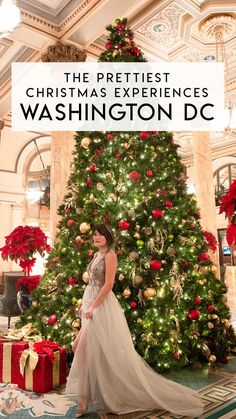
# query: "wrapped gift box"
[[10, 353], [47, 374]]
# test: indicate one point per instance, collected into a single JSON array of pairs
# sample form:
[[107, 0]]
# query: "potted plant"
[[20, 246]]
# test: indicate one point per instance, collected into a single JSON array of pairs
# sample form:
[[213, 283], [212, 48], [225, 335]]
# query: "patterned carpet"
[[217, 388]]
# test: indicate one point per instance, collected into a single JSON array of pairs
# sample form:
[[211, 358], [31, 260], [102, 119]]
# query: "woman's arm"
[[111, 265]]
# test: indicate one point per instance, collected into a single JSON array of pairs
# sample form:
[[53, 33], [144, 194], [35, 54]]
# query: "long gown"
[[108, 371]]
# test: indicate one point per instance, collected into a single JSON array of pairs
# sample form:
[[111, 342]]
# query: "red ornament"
[[124, 225], [144, 134], [136, 51], [67, 210], [211, 307], [160, 192], [197, 214], [193, 314], [134, 176], [176, 355], [155, 265], [90, 254], [149, 173], [127, 53], [92, 168], [168, 204], [108, 45], [70, 223], [157, 213], [120, 25], [184, 264], [110, 137], [119, 252], [72, 281], [118, 155], [133, 304], [88, 181], [172, 141], [198, 300], [95, 213], [52, 319], [204, 256], [119, 46]]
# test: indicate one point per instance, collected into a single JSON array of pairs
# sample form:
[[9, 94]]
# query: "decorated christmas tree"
[[166, 282]]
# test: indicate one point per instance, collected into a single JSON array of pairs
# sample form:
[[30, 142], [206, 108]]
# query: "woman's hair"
[[106, 231]]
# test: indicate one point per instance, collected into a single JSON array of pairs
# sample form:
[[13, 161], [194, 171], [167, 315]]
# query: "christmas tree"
[[166, 283]]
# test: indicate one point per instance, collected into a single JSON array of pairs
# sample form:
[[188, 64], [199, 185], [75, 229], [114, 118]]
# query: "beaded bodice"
[[96, 271]]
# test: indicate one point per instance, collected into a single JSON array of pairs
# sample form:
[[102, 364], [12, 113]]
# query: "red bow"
[[47, 347]]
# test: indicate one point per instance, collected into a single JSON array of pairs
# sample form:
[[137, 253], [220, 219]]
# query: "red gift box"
[[10, 352], [47, 374]]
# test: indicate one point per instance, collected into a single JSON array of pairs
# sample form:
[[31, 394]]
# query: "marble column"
[[203, 180], [62, 142]]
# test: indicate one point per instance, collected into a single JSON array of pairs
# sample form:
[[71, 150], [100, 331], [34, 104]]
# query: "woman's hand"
[[89, 313]]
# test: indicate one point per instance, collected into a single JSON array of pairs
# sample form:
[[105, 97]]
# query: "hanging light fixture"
[[219, 28], [10, 17]]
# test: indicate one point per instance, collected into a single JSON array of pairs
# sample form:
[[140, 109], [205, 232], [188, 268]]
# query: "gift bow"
[[47, 347], [24, 333], [28, 355]]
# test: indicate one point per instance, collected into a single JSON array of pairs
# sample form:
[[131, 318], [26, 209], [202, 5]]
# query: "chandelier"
[[219, 29], [10, 17]]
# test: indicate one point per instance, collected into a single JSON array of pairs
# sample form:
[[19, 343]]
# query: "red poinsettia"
[[210, 241], [28, 283], [228, 205], [23, 242], [228, 202]]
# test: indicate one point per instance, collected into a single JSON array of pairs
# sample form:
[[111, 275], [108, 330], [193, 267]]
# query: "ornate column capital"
[[60, 52]]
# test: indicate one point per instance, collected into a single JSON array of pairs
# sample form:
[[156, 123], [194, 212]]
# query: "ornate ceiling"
[[166, 30]]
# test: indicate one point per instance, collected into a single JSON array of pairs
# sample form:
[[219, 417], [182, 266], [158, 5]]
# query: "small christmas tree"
[[174, 304]]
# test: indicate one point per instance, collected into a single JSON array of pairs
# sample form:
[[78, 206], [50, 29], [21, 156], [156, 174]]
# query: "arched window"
[[223, 177]]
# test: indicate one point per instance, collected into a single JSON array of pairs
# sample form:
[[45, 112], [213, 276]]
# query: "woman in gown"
[[107, 374]]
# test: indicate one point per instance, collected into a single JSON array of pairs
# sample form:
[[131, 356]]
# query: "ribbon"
[[6, 362], [47, 347], [29, 358], [26, 332]]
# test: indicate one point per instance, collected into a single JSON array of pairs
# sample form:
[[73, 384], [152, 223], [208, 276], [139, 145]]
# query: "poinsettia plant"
[[228, 205], [20, 246], [210, 241], [28, 283]]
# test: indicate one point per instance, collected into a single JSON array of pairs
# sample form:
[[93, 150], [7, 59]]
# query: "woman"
[[107, 374]]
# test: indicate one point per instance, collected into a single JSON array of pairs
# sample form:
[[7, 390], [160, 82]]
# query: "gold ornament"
[[79, 211], [204, 270], [121, 277], [85, 277], [139, 321], [170, 251], [148, 231], [100, 186], [133, 255], [212, 358], [92, 198], [213, 316], [84, 228], [202, 281], [85, 142], [149, 293], [76, 324], [137, 280], [108, 175], [131, 213], [34, 303], [79, 302], [210, 325], [213, 269], [126, 293], [136, 235], [227, 323], [205, 350]]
